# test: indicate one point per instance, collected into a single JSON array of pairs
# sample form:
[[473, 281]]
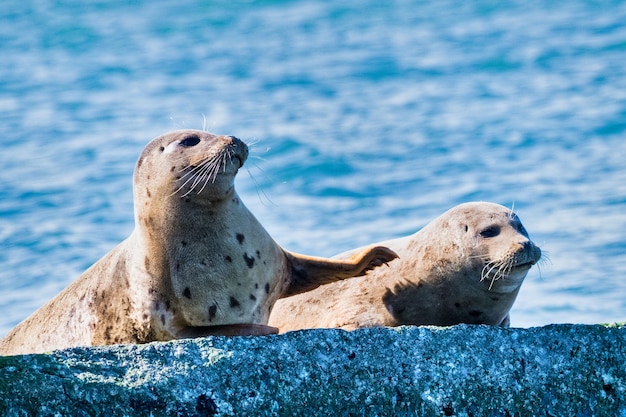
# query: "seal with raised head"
[[466, 266], [197, 262]]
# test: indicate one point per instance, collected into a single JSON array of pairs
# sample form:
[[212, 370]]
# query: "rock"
[[462, 370]]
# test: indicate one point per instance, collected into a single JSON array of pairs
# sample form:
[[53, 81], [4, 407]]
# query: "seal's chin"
[[509, 282], [523, 266], [504, 276]]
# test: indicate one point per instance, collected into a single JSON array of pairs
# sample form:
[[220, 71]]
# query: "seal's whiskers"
[[199, 177], [206, 171], [188, 176], [495, 271], [211, 171], [259, 190], [202, 175], [196, 173]]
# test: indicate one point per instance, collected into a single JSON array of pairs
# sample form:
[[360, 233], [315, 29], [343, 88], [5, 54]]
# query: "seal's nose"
[[531, 249], [238, 147]]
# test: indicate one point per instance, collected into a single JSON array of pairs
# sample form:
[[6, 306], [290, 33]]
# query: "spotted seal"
[[466, 266], [197, 262]]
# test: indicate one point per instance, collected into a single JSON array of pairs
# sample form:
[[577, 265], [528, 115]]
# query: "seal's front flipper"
[[308, 272], [227, 330]]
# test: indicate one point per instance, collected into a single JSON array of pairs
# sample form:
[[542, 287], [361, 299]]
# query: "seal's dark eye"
[[190, 141], [490, 232]]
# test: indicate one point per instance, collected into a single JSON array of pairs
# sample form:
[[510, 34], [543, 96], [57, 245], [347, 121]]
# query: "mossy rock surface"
[[462, 370]]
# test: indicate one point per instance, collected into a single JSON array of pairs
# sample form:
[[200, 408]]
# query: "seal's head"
[[496, 242], [199, 165], [466, 266]]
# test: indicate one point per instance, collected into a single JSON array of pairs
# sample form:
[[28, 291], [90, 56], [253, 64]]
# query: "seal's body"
[[466, 266], [197, 263]]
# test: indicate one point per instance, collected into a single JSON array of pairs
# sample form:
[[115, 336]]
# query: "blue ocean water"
[[366, 120]]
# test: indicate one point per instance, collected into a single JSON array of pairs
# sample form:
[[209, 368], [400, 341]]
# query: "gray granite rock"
[[558, 370]]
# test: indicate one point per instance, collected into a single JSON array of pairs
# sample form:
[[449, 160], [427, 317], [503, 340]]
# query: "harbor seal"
[[466, 266], [197, 262]]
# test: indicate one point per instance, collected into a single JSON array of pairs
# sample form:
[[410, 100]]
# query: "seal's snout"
[[531, 252], [536, 252], [238, 149]]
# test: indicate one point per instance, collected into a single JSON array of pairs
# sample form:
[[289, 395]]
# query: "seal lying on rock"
[[466, 266], [197, 263]]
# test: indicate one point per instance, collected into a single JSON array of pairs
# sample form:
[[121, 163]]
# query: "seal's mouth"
[[524, 265], [505, 274]]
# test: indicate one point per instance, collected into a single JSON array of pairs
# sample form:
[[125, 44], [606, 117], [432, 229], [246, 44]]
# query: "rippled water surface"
[[365, 121]]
